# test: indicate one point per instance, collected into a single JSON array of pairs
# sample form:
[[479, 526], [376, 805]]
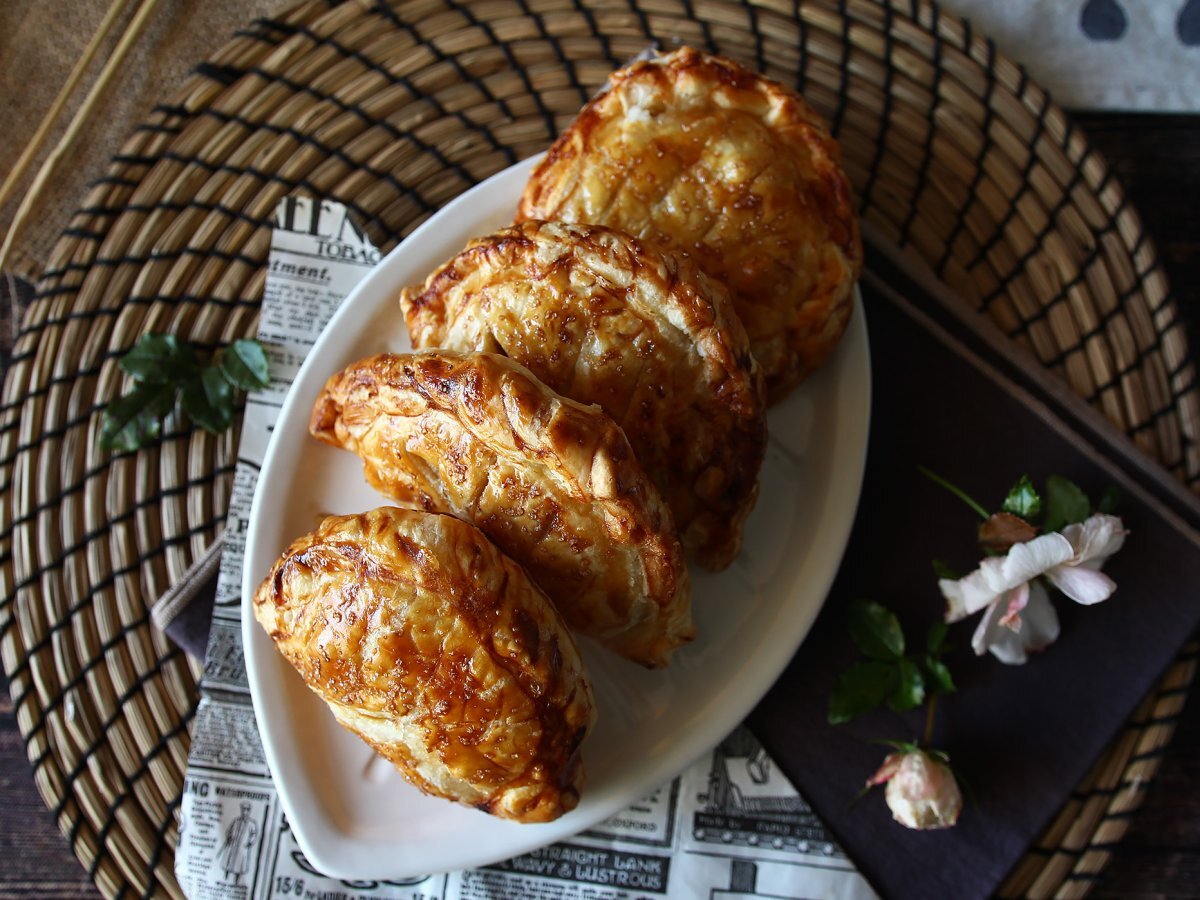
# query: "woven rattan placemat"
[[395, 108]]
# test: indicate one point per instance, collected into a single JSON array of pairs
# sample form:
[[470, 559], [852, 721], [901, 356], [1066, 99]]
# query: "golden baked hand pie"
[[698, 154], [602, 318], [439, 652], [553, 482]]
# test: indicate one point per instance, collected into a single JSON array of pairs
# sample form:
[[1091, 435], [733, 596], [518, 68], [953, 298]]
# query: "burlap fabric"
[[39, 44]]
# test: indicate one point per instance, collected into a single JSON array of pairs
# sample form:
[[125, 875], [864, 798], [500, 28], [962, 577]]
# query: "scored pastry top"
[[698, 154], [603, 318], [441, 653], [553, 482]]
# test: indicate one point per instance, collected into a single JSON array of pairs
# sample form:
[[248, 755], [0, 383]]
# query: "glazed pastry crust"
[[553, 482], [602, 318], [438, 651], [700, 155]]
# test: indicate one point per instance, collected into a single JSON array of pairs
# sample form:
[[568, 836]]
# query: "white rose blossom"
[[1019, 617]]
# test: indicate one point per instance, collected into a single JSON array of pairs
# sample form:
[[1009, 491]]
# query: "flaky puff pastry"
[[438, 651], [553, 482], [603, 318], [699, 154]]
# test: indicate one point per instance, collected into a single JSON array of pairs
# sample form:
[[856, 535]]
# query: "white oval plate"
[[352, 814]]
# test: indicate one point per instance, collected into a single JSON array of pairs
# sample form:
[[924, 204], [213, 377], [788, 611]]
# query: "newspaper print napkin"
[[731, 826], [1099, 54]]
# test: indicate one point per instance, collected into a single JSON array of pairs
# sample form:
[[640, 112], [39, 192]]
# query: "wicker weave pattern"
[[395, 109]]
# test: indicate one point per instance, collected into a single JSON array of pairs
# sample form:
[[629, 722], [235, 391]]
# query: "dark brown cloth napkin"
[[966, 405]]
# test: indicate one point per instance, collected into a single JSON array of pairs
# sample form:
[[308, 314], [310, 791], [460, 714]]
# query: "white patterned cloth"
[[1099, 54]]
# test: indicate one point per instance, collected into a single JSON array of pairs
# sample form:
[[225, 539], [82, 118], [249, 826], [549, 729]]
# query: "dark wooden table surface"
[[1158, 161]]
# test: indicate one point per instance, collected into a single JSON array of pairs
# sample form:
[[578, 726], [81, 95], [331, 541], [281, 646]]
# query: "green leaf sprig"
[[166, 373], [1061, 503], [888, 675]]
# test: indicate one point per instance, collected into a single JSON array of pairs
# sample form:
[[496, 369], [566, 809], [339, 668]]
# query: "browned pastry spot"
[[700, 155], [602, 318], [553, 482], [439, 652]]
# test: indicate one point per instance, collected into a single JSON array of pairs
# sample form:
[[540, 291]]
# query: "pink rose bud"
[[921, 791]]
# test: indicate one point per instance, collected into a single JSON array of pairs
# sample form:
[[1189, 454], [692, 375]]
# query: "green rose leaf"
[[244, 364], [135, 418], [909, 690], [860, 689], [1109, 501], [935, 639], [937, 676], [160, 359], [1065, 504], [876, 631], [163, 368], [208, 400], [942, 570], [1023, 500]]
